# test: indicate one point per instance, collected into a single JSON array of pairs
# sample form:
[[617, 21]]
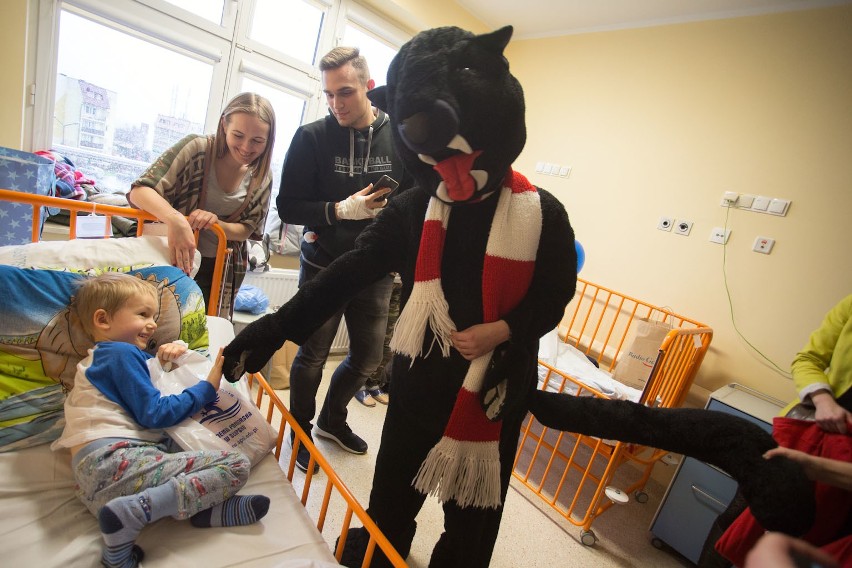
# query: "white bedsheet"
[[43, 523], [574, 362]]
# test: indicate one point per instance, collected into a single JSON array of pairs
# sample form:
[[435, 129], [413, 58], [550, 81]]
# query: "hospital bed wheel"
[[588, 538], [641, 497]]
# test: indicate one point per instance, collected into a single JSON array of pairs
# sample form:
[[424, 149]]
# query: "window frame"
[[227, 47]]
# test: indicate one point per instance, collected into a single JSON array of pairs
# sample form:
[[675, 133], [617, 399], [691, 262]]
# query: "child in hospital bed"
[[126, 473]]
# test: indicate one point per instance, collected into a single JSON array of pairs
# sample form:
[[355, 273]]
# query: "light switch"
[[760, 203], [539, 167], [778, 206], [745, 201]]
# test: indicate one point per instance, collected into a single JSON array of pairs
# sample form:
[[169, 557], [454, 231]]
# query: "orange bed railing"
[[88, 208], [278, 416], [571, 472]]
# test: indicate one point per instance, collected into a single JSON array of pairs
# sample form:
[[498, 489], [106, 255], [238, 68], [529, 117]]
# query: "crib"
[[44, 524], [573, 474]]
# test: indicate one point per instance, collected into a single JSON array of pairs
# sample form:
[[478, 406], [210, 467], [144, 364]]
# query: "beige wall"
[[418, 15], [661, 121], [13, 14]]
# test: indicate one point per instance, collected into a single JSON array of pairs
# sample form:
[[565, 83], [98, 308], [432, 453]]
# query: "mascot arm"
[[779, 493], [316, 301]]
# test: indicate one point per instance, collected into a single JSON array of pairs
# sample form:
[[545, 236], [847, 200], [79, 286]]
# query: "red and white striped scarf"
[[465, 464]]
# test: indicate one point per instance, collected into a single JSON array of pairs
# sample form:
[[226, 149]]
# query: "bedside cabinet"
[[699, 492]]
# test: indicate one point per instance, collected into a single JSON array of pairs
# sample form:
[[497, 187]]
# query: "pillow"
[[41, 342], [84, 254]]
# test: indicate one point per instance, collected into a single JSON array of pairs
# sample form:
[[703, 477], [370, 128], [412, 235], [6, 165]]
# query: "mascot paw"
[[252, 348], [506, 380], [780, 496]]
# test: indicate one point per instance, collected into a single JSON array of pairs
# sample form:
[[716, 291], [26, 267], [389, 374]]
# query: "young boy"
[[126, 473]]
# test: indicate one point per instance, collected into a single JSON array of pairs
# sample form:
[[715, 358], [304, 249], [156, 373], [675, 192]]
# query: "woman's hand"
[[477, 340], [181, 241], [201, 219], [830, 416]]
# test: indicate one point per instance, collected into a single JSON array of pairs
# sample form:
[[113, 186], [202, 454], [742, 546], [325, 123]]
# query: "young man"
[[326, 186]]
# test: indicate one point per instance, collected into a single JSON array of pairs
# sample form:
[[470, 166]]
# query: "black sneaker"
[[346, 439], [303, 457]]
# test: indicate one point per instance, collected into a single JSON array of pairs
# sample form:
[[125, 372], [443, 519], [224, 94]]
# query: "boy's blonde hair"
[[108, 291]]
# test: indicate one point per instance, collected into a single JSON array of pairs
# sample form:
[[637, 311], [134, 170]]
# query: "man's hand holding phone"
[[384, 188], [366, 203]]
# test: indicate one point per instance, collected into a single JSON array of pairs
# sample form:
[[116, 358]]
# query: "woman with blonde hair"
[[204, 180]]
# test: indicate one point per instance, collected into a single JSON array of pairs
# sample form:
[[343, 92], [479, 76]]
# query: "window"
[[290, 26], [207, 9], [114, 117], [378, 53], [152, 71]]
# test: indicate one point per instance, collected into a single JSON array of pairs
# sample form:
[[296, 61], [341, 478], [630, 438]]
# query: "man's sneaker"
[[303, 458], [346, 439], [364, 398], [379, 395]]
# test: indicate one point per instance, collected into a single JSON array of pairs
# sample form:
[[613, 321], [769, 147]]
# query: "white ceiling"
[[543, 18]]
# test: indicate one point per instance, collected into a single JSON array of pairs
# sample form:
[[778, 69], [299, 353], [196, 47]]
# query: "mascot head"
[[456, 111]]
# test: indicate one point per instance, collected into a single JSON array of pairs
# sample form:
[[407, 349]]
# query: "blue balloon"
[[581, 255]]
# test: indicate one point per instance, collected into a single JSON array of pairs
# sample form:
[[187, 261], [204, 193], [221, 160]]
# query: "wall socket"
[[682, 227], [763, 245], [720, 235], [665, 223]]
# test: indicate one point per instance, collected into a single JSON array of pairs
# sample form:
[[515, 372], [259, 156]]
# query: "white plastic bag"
[[230, 423]]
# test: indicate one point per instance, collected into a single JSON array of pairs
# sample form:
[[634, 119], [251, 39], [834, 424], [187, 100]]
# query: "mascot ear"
[[379, 97], [496, 41]]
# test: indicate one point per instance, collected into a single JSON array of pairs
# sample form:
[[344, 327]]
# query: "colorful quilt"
[[41, 342]]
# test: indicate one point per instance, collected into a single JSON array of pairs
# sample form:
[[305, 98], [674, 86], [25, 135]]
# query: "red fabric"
[[507, 292], [428, 263], [468, 422], [833, 504]]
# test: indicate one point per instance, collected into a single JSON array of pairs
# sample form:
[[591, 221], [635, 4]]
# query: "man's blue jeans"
[[366, 321]]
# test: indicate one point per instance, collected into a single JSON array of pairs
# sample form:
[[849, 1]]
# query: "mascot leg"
[[780, 495], [470, 533]]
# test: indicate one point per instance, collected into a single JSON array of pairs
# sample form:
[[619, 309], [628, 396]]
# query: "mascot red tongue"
[[455, 172]]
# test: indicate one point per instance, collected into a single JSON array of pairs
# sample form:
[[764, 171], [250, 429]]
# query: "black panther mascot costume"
[[484, 253]]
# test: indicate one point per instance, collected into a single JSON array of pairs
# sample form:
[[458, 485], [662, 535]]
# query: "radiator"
[[279, 285]]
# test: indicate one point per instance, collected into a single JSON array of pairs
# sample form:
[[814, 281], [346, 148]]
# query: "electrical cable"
[[785, 374]]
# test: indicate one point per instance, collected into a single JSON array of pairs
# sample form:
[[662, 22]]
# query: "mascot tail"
[[781, 497]]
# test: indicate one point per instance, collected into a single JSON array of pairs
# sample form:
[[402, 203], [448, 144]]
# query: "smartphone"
[[385, 182]]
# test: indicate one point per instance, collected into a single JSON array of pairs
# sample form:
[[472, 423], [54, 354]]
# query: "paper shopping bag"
[[637, 360], [279, 366]]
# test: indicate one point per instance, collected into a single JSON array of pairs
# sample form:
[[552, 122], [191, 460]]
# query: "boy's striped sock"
[[120, 521], [234, 512]]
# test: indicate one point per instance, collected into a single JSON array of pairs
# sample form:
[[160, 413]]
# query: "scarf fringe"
[[426, 305], [465, 472]]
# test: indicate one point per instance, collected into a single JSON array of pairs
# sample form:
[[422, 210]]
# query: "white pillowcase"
[[91, 253]]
